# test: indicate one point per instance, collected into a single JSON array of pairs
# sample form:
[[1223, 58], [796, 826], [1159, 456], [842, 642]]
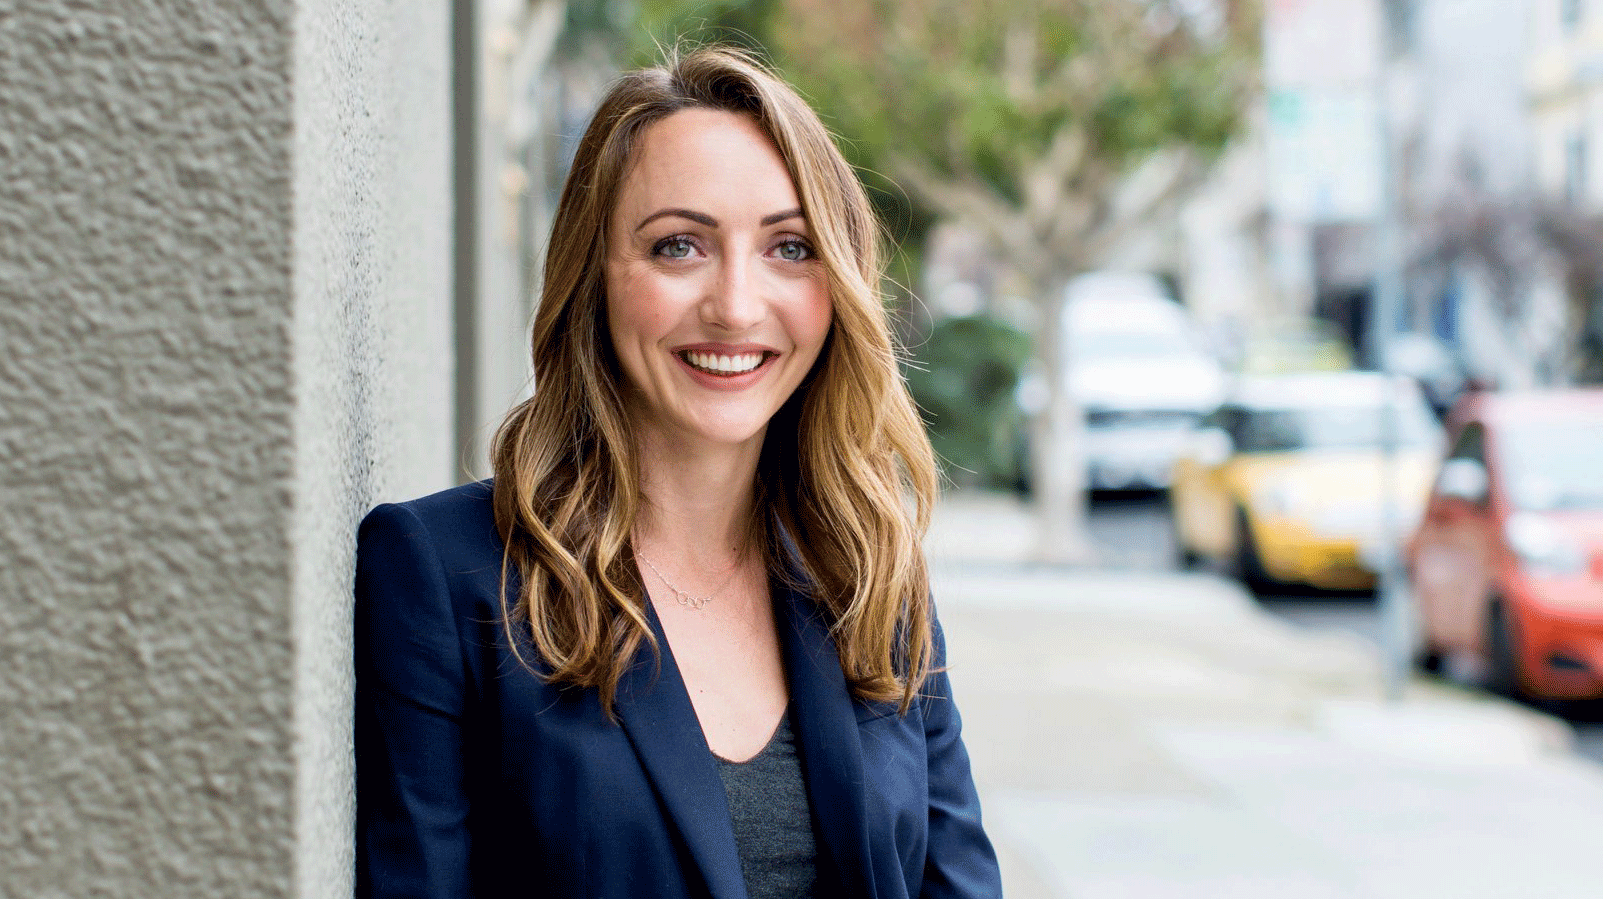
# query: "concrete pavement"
[[1145, 735]]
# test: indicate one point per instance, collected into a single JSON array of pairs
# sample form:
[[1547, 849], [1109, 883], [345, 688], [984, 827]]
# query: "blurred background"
[[1279, 298], [1258, 340], [1121, 228]]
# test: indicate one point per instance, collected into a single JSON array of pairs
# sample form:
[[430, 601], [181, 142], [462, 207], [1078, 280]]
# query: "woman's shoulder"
[[424, 563], [472, 500], [456, 521], [454, 505]]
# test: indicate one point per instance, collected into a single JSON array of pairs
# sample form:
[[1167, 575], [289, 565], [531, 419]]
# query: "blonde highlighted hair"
[[846, 471]]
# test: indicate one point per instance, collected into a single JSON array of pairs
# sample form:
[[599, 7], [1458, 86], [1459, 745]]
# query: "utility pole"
[[1392, 596]]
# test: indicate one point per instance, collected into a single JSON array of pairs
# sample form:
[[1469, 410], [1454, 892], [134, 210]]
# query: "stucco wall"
[[224, 332]]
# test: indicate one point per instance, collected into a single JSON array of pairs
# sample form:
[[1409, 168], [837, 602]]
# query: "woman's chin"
[[723, 432]]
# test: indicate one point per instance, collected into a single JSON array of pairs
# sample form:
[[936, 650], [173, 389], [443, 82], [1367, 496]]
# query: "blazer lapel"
[[655, 711], [825, 722]]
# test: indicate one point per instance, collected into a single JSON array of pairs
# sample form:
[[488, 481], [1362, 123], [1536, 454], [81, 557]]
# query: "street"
[[1133, 531], [1138, 732]]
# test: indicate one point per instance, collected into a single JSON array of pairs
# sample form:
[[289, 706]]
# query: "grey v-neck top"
[[773, 822]]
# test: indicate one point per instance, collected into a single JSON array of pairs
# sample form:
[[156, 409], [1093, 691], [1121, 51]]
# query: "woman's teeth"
[[724, 365]]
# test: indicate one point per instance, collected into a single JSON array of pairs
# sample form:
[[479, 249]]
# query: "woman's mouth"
[[724, 365]]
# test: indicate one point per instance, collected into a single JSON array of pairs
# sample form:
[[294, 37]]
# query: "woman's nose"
[[734, 301]]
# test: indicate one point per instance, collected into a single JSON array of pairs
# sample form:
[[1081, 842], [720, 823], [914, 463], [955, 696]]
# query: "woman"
[[716, 669]]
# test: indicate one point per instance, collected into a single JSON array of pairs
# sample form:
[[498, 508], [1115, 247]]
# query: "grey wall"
[[224, 332]]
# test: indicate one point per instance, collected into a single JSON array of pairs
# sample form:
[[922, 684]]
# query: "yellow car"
[[1292, 481]]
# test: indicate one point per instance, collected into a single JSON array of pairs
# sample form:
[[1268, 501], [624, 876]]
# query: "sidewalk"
[[1145, 735]]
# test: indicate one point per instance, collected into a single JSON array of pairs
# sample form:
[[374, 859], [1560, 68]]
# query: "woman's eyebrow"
[[778, 217], [701, 218]]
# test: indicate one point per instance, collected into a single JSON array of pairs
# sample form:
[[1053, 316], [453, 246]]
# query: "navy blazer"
[[474, 777]]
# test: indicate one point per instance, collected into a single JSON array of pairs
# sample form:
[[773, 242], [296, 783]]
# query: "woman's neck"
[[698, 505]]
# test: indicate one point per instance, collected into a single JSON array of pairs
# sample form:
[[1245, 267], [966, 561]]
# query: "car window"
[[1227, 419], [1471, 444], [1552, 464], [1336, 426]]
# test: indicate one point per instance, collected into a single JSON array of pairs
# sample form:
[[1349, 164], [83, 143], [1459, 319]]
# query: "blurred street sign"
[[1324, 155], [1321, 64]]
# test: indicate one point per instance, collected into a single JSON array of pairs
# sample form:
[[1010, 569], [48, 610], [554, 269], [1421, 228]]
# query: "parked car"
[[1288, 346], [1292, 481], [1507, 564], [1142, 374]]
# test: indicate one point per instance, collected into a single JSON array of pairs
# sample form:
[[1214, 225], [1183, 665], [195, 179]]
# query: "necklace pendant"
[[683, 597], [690, 602]]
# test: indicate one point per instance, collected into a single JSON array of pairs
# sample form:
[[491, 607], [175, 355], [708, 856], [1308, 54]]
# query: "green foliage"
[[983, 87], [666, 23], [964, 379]]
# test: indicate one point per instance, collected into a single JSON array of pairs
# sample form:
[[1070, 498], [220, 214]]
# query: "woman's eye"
[[794, 251], [675, 248]]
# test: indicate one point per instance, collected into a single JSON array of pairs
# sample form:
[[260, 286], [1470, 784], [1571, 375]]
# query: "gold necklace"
[[685, 597]]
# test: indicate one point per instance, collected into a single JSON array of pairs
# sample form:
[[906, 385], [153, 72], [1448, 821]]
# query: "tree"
[[1577, 239], [1054, 128], [1516, 244], [964, 386]]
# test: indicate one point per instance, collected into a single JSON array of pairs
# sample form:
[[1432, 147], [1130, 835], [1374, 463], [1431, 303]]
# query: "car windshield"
[[1109, 345], [1553, 464], [1334, 427]]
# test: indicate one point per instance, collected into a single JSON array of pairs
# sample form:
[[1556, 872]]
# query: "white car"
[[1139, 369]]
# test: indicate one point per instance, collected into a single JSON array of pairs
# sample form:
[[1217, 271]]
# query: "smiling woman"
[[717, 303], [683, 644]]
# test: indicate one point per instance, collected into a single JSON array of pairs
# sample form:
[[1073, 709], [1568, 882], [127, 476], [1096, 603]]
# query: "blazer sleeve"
[[960, 862], [411, 798]]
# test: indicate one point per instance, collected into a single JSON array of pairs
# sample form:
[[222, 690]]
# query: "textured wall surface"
[[223, 334], [373, 350]]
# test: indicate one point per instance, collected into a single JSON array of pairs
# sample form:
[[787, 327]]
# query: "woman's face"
[[717, 303]]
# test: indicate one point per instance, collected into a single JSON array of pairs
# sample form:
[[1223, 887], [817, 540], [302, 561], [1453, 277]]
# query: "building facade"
[[1564, 80]]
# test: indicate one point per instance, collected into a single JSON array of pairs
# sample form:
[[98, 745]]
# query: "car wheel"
[[1502, 658], [1247, 566], [1185, 557], [1425, 657], [1429, 661]]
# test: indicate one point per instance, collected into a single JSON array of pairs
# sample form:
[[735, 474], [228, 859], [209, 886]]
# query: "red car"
[[1507, 564]]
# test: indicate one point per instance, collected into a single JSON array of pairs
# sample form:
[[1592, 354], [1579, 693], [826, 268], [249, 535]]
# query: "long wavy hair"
[[846, 477]]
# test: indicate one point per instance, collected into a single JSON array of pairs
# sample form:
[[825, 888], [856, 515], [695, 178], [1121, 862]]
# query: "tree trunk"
[[1058, 460]]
